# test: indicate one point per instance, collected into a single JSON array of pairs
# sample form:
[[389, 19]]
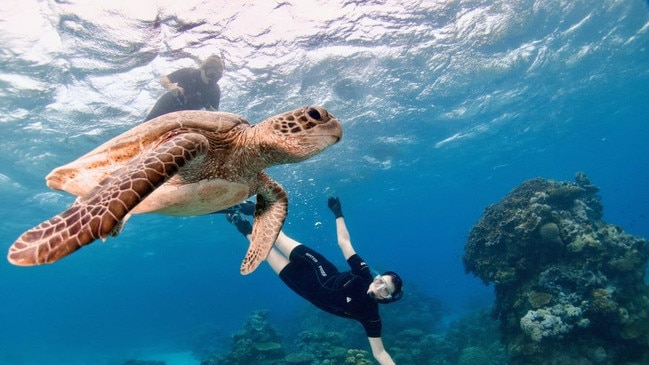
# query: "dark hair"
[[398, 287]]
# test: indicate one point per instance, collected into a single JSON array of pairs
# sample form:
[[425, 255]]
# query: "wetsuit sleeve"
[[358, 266], [372, 327], [181, 76]]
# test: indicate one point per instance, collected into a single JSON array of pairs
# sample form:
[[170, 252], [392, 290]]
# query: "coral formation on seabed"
[[256, 343], [143, 362], [569, 287], [552, 322], [412, 335]]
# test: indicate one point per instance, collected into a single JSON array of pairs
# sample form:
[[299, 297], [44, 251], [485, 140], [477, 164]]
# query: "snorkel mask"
[[383, 287]]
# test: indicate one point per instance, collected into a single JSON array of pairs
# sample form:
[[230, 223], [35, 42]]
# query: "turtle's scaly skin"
[[183, 163]]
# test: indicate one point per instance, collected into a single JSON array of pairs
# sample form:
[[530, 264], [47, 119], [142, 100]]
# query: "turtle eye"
[[313, 113]]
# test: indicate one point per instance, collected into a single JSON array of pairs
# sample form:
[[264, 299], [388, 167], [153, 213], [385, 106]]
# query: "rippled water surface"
[[446, 106]]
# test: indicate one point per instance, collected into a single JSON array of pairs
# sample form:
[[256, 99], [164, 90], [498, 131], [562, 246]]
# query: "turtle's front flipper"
[[270, 213], [99, 213]]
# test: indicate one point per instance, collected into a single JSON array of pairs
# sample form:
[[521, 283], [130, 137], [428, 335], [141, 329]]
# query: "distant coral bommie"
[[568, 285]]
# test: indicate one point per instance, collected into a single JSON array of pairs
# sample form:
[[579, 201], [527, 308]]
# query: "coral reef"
[[256, 343], [413, 337], [552, 322], [472, 339], [259, 343], [143, 362], [471, 334], [206, 339], [569, 287]]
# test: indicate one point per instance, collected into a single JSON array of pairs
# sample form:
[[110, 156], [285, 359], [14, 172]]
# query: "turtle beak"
[[336, 130]]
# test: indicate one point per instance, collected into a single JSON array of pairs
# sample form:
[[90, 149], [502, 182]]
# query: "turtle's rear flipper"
[[100, 213]]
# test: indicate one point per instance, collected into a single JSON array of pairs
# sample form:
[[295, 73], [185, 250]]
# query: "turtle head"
[[299, 134]]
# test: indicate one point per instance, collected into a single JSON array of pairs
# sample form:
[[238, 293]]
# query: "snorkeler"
[[353, 294], [191, 89]]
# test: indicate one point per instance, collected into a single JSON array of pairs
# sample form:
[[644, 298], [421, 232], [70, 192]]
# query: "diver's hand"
[[178, 91], [334, 205]]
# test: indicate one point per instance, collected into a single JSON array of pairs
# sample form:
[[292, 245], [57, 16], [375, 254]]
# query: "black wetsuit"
[[198, 94], [344, 294]]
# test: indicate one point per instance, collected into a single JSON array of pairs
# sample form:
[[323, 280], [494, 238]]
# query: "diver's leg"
[[276, 260], [286, 244]]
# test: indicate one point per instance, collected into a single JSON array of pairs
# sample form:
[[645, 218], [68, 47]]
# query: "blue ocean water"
[[446, 107]]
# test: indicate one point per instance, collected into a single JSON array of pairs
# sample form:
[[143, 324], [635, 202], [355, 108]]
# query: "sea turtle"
[[183, 163]]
